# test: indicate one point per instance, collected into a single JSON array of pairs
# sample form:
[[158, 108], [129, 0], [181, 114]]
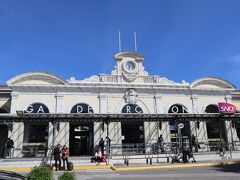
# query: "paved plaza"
[[228, 172]]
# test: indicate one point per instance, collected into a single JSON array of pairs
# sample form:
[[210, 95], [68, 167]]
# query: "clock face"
[[130, 66]]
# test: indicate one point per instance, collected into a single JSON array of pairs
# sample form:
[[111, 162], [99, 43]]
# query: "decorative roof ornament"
[[130, 77], [131, 96]]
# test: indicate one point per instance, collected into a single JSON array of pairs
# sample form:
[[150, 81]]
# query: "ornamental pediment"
[[36, 78], [212, 83]]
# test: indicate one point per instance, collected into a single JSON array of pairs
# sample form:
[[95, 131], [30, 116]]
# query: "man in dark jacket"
[[57, 156], [101, 145], [10, 147]]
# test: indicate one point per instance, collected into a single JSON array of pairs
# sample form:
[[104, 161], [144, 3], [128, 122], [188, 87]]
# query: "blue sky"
[[180, 39]]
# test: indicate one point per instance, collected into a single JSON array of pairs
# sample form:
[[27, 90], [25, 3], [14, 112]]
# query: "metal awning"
[[48, 117]]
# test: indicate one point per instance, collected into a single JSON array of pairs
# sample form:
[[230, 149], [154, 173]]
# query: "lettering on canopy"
[[132, 108], [226, 108], [82, 108], [37, 108]]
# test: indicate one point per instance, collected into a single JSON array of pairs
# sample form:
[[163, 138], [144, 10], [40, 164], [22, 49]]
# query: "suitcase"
[[69, 166]]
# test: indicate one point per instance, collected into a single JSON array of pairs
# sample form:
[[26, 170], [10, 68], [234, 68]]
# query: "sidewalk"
[[117, 162], [134, 167]]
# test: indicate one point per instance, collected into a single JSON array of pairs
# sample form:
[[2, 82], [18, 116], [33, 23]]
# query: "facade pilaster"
[[16, 132], [100, 128], [162, 127], [62, 129], [198, 129]]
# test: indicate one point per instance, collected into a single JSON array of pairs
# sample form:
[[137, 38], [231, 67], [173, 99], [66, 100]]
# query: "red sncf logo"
[[226, 108]]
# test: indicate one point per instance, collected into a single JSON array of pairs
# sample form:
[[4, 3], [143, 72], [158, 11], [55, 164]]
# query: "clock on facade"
[[130, 66]]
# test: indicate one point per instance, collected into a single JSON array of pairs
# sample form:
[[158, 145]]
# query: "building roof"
[[5, 89]]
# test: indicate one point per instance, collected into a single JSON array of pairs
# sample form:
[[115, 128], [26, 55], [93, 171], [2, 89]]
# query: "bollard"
[[168, 159], [151, 161], [147, 160]]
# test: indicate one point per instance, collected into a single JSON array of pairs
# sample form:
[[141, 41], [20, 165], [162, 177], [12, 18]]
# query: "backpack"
[[10, 144]]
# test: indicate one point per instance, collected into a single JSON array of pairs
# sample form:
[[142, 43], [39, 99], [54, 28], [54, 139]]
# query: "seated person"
[[97, 157]]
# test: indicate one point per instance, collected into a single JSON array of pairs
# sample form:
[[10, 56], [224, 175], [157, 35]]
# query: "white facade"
[[128, 84]]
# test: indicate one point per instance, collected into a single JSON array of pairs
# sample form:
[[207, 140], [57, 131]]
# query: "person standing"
[[160, 143], [101, 145], [57, 156], [108, 144], [9, 147], [65, 156], [194, 143]]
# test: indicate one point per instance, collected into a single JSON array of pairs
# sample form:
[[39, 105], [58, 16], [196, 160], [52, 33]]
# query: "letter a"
[[40, 109]]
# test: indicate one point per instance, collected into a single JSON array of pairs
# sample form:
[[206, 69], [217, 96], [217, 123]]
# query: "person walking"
[[56, 153], [101, 145], [65, 156], [221, 147]]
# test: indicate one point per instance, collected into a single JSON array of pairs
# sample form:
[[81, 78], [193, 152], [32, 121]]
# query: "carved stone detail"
[[129, 76], [131, 96]]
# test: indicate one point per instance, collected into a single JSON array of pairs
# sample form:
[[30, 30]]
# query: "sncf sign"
[[226, 108]]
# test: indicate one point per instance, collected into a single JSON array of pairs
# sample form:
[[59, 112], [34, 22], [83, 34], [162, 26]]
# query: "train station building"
[[128, 89]]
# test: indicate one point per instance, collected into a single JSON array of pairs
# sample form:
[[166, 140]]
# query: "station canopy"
[[123, 117]]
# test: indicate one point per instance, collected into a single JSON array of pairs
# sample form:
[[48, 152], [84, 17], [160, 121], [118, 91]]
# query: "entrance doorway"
[[133, 137], [215, 130], [81, 139], [132, 132], [3, 139], [3, 135], [179, 135], [35, 139]]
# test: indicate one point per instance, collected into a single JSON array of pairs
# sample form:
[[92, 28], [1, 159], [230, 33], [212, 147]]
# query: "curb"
[[174, 166], [15, 169], [114, 168], [92, 167]]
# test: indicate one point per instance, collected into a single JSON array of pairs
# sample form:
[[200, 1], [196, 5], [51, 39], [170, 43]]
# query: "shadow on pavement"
[[234, 168]]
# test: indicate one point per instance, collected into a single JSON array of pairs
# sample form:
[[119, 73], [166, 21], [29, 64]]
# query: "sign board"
[[180, 125], [132, 108], [82, 108], [37, 108], [226, 108]]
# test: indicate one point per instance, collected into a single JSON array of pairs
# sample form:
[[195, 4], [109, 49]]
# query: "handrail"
[[168, 147]]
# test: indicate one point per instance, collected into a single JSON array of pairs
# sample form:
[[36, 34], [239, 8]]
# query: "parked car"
[[9, 175]]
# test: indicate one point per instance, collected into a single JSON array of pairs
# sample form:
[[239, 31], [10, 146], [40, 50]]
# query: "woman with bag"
[[65, 156]]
